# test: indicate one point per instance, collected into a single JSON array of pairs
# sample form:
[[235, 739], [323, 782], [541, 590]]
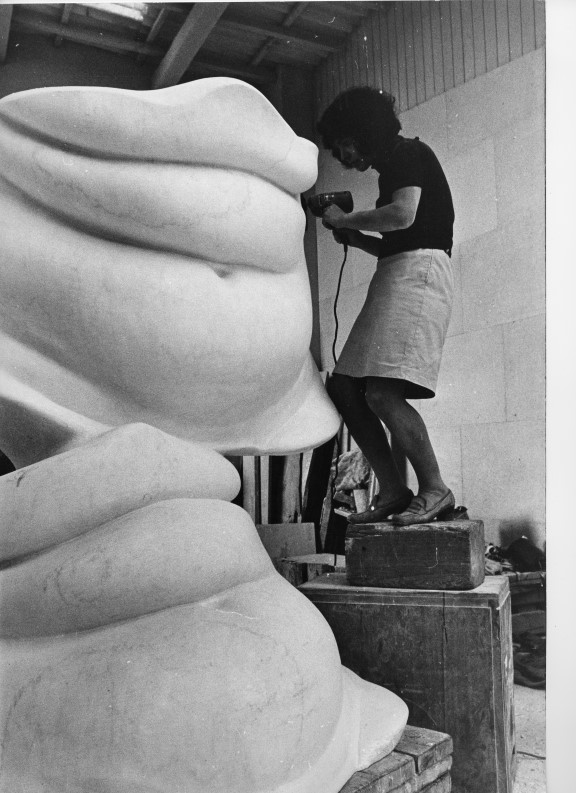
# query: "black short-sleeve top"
[[408, 162]]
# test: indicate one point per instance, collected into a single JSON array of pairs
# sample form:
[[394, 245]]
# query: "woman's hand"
[[346, 236], [333, 217]]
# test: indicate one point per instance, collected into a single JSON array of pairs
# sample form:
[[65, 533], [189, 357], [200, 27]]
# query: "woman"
[[394, 349]]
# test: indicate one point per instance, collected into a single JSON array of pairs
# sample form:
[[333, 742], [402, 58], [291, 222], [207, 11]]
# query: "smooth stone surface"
[[155, 311], [161, 231]]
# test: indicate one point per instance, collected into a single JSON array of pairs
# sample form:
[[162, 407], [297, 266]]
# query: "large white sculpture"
[[156, 312]]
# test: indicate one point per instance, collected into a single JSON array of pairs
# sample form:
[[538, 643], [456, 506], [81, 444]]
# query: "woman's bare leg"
[[348, 394], [385, 397]]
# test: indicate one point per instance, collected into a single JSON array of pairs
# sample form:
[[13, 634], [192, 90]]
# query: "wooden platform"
[[419, 764], [448, 655], [437, 555]]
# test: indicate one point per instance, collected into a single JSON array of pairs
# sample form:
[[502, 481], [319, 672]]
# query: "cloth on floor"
[[352, 473]]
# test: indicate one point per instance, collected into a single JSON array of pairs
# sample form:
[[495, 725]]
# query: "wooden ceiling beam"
[[191, 36], [325, 43], [5, 21], [105, 41], [297, 11], [64, 19]]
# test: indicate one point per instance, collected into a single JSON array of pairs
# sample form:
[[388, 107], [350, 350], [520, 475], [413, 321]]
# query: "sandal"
[[377, 514]]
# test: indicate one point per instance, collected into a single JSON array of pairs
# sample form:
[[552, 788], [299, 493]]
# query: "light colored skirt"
[[401, 328]]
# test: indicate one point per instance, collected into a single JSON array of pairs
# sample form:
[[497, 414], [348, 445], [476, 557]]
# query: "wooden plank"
[[479, 38], [442, 785], [457, 43], [540, 22], [282, 540], [265, 486], [468, 41], [437, 48], [410, 47], [502, 33], [374, 51], [433, 773], [248, 487], [475, 703], [382, 40], [5, 20], [64, 19], [366, 74], [393, 53], [427, 49], [189, 39], [427, 748], [105, 41], [418, 45], [490, 33], [515, 28], [447, 46], [528, 26], [401, 52], [385, 776], [241, 21]]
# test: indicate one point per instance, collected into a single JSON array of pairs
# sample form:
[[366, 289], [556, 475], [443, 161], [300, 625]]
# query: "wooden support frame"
[[64, 19], [105, 41], [189, 39]]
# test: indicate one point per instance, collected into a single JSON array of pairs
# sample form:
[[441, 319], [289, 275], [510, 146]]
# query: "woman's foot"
[[380, 511], [425, 507]]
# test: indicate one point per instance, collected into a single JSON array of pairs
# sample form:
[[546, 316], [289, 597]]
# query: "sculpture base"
[[438, 555], [420, 763], [448, 655]]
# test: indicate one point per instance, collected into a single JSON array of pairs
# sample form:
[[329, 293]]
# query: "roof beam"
[[191, 36], [5, 20], [105, 41], [325, 43], [297, 11], [64, 19]]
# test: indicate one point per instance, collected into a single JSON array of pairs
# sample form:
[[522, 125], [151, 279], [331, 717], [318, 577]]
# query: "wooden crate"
[[420, 763], [448, 655], [438, 555]]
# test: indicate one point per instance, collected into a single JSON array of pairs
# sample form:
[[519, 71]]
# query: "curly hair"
[[364, 115]]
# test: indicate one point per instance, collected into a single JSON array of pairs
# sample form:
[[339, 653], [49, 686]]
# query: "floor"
[[530, 740]]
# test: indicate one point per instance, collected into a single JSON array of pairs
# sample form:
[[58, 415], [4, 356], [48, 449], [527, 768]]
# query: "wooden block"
[[396, 773], [385, 776], [447, 654], [527, 590], [287, 539], [438, 555], [442, 785], [433, 773], [425, 747], [299, 569]]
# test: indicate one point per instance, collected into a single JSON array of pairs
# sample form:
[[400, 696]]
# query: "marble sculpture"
[[155, 317]]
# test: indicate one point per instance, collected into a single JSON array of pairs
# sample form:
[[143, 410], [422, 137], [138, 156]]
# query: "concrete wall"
[[487, 421]]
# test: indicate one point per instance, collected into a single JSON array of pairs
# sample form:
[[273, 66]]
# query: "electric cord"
[[336, 302], [337, 446]]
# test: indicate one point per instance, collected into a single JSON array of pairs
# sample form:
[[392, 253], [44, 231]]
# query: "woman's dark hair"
[[364, 115]]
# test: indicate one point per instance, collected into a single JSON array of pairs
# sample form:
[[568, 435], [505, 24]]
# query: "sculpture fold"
[[156, 314]]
